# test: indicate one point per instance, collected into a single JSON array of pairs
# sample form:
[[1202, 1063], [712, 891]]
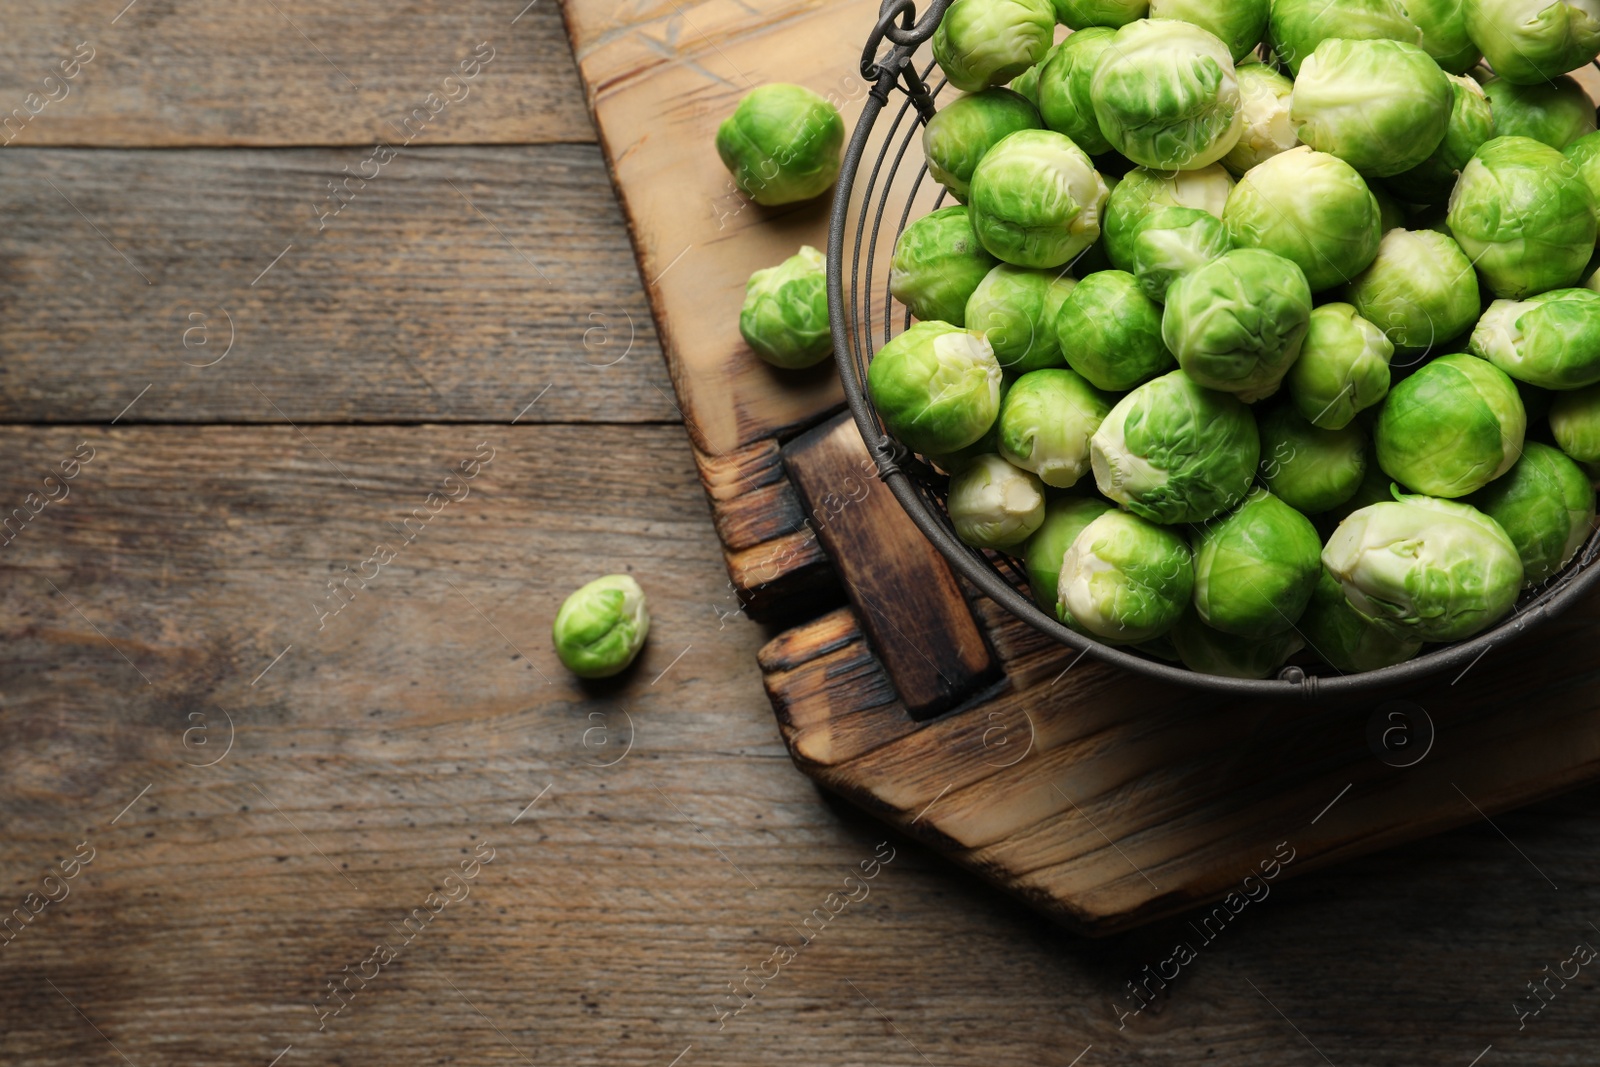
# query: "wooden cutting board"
[[1099, 798]]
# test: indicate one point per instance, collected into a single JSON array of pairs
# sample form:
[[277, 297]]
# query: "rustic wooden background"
[[651, 843]]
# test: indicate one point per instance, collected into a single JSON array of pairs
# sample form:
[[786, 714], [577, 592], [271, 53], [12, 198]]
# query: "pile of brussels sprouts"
[[1255, 328]]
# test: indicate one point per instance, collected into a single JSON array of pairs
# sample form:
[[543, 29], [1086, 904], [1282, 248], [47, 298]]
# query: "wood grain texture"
[[616, 910], [1108, 801], [289, 72], [903, 592], [457, 285]]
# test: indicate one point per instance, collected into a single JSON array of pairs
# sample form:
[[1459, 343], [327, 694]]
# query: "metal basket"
[[858, 283]]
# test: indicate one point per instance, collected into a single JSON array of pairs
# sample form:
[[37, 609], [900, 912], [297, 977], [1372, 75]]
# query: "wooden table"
[[221, 795]]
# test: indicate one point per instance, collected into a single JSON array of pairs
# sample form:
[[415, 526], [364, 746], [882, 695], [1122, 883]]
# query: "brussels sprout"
[[1064, 519], [1429, 570], [936, 387], [1311, 469], [1173, 242], [1015, 308], [1240, 24], [1585, 155], [1312, 209], [1420, 290], [1297, 27], [1525, 217], [1142, 191], [1037, 199], [1343, 367], [1555, 113], [1345, 639], [1381, 106], [1237, 323], [994, 504], [1046, 421], [1026, 84], [1264, 99], [783, 144], [1110, 332], [1575, 423], [1208, 651], [601, 627], [1166, 96], [1124, 580], [1451, 428], [1550, 340], [980, 43], [1531, 41], [937, 265], [1064, 101], [1545, 505], [1254, 569], [1444, 33], [958, 135], [1172, 451], [1472, 125], [1085, 14], [785, 313]]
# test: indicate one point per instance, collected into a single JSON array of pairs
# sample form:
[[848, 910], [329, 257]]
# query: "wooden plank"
[[292, 72], [458, 285], [903, 591]]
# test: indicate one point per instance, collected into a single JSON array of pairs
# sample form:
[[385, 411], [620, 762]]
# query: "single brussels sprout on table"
[[1545, 504], [1555, 113], [1575, 423], [1124, 580], [1172, 451], [994, 504], [1165, 95], [1240, 24], [936, 387], [1381, 106], [1311, 469], [1312, 209], [1297, 27], [1237, 323], [1264, 99], [1428, 570], [1087, 14], [1064, 101], [1210, 651], [938, 263], [1472, 125], [1046, 421], [1532, 41], [783, 144], [1036, 200], [1444, 33], [1141, 191], [980, 43], [601, 627], [1173, 242], [1343, 367], [1420, 290], [1346, 640], [1524, 216], [1110, 332], [1254, 569], [1015, 308], [1551, 340], [1451, 428], [785, 314], [959, 135], [1064, 519]]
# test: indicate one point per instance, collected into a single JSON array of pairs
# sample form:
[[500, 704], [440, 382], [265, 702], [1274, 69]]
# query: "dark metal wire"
[[921, 490]]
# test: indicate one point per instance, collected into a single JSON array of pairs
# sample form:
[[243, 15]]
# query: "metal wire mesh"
[[874, 189]]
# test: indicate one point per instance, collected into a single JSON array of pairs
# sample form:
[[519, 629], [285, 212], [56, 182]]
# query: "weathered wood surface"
[[608, 924], [288, 72], [459, 284]]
